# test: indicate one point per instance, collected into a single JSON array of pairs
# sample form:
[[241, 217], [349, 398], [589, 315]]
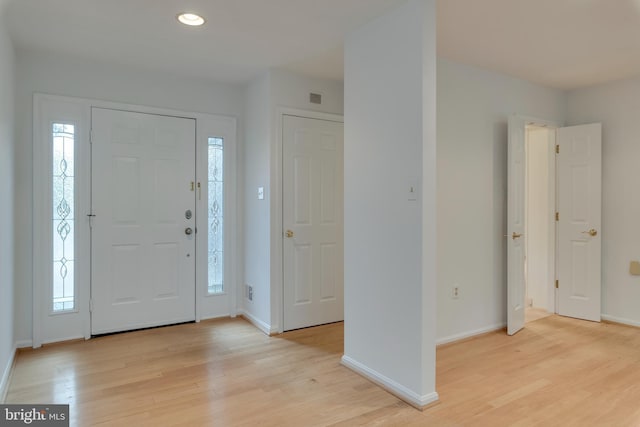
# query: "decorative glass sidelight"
[[216, 216], [63, 217]]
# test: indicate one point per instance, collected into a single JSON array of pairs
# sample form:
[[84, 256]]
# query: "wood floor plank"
[[556, 372]]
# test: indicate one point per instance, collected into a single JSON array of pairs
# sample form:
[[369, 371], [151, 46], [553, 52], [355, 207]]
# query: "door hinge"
[[557, 149], [91, 137], [557, 284], [557, 216], [91, 216], [90, 305]]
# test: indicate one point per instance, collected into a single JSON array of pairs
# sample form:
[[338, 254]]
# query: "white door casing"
[[579, 226], [540, 197], [515, 225], [47, 325], [312, 221], [143, 262]]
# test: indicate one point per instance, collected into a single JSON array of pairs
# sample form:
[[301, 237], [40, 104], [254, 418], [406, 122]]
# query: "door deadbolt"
[[188, 214], [188, 231]]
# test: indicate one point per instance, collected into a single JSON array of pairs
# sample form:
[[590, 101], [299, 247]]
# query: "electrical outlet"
[[455, 292], [250, 293]]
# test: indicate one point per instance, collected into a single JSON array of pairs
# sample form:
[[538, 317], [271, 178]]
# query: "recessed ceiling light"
[[191, 19]]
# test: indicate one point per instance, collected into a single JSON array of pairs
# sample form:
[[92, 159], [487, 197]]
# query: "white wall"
[[59, 75], [292, 90], [7, 220], [263, 221], [256, 257], [473, 106], [616, 106], [389, 240], [537, 216]]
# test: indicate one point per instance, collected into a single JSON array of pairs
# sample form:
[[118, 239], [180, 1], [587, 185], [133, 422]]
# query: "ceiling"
[[564, 44], [240, 38]]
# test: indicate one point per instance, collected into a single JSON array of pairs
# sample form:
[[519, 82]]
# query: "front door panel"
[[143, 260]]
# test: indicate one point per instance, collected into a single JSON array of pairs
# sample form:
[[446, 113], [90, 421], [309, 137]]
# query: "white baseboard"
[[620, 320], [24, 344], [63, 339], [469, 334], [264, 327], [6, 376], [217, 316], [390, 385]]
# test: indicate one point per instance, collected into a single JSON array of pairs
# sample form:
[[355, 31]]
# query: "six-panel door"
[[143, 244]]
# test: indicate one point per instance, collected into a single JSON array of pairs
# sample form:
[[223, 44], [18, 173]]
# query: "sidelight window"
[[216, 215], [63, 217]]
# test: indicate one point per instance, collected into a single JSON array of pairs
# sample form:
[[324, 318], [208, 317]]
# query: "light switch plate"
[[412, 190], [260, 193]]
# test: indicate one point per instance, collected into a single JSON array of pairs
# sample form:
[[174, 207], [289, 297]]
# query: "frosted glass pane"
[[215, 193], [216, 202], [216, 262], [215, 234], [57, 195], [62, 216]]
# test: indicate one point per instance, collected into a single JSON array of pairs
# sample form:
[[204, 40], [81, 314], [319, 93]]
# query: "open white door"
[[515, 226], [579, 207]]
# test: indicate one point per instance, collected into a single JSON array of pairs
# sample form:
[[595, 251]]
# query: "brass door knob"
[[592, 232], [514, 236], [288, 234]]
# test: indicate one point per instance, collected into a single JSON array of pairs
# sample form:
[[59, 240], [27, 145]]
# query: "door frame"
[[553, 200], [79, 320], [277, 230], [552, 192]]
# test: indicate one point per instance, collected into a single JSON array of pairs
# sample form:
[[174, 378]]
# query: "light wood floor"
[[556, 372], [532, 314]]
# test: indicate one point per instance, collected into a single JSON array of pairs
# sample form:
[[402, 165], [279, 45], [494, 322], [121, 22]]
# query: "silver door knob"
[[188, 231]]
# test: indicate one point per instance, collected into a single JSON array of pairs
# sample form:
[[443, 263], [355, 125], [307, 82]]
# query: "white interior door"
[[312, 222], [142, 259], [579, 200], [516, 225]]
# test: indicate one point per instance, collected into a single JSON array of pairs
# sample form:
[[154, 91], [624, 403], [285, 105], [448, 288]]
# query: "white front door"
[[579, 231], [516, 225], [312, 222], [143, 240]]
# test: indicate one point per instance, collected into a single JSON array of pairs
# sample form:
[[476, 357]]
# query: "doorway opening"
[[540, 221], [570, 218]]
